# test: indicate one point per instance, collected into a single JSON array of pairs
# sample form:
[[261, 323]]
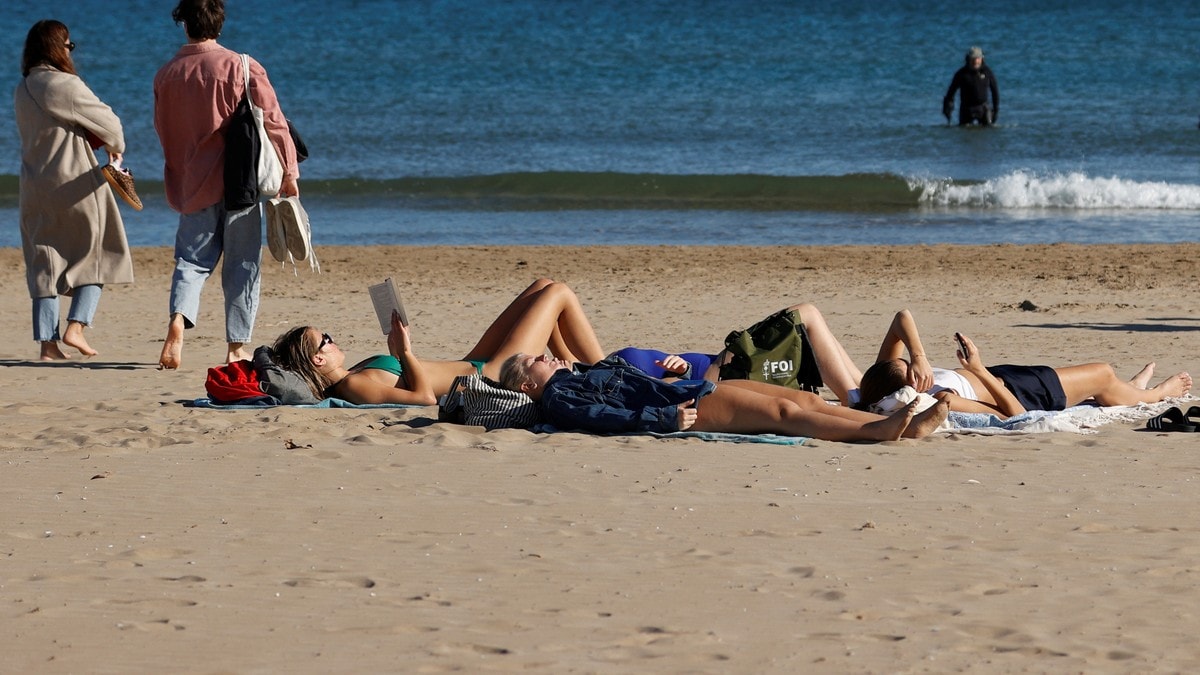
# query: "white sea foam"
[[1022, 190]]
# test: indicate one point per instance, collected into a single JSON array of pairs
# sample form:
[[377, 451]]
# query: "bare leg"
[[1099, 381], [923, 423], [550, 318], [837, 368], [172, 351], [74, 337], [50, 352], [504, 323], [1142, 379], [236, 351], [740, 410]]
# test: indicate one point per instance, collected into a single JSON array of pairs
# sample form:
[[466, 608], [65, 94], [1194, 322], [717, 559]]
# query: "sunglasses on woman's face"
[[70, 46], [325, 340]]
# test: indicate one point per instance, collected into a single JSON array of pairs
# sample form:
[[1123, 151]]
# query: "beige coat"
[[71, 230]]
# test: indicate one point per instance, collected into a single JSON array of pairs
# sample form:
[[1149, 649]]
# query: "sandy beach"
[[142, 535]]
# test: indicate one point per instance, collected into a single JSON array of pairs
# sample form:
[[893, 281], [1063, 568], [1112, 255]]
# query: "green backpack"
[[775, 350]]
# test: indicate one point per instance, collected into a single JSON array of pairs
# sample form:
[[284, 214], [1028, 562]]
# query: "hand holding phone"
[[962, 346]]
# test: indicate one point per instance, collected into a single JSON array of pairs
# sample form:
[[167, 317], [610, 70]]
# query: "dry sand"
[[140, 535]]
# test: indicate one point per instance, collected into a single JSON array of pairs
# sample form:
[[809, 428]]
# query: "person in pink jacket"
[[195, 94]]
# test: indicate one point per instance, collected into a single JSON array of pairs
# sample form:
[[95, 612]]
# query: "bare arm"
[[901, 335], [412, 388], [1006, 403]]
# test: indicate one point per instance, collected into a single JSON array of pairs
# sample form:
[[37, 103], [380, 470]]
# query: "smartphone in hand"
[[962, 344]]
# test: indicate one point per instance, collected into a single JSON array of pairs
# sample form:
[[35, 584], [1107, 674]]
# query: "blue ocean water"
[[684, 121]]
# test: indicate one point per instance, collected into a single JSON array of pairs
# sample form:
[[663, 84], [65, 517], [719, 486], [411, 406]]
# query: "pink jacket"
[[195, 93]]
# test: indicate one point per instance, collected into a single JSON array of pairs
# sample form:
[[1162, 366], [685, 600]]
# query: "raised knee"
[[807, 312], [560, 290]]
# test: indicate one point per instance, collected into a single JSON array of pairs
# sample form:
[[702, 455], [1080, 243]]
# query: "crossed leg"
[[1099, 381]]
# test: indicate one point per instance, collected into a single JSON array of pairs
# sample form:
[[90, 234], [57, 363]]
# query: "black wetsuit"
[[973, 100]]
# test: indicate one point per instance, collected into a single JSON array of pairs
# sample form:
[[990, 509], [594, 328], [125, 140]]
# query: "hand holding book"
[[386, 300]]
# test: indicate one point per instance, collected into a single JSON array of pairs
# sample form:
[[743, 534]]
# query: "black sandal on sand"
[[1172, 419]]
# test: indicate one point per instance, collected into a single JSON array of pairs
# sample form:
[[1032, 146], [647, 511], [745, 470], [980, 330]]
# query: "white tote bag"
[[270, 169]]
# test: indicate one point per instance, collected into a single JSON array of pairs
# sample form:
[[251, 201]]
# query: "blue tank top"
[[643, 360]]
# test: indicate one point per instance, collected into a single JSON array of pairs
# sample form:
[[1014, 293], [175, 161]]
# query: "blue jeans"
[[45, 312], [202, 239]]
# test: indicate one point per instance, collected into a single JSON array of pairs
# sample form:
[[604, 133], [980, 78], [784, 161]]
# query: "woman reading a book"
[[547, 315]]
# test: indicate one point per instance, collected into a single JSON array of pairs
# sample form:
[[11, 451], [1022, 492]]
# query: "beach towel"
[[1081, 419], [268, 402], [714, 436]]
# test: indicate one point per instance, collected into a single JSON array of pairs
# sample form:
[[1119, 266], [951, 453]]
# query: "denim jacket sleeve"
[[569, 409]]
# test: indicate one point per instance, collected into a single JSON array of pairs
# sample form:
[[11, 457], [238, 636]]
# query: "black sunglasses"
[[325, 340], [70, 46]]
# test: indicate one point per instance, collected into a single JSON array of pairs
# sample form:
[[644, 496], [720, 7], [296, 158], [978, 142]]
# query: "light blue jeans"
[[203, 238], [45, 312]]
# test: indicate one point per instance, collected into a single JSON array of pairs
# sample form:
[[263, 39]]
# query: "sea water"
[[683, 121]]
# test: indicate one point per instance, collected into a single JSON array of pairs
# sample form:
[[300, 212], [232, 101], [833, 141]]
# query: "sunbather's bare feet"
[[74, 338], [1174, 386], [172, 351], [237, 352], [51, 352], [927, 421], [890, 428], [1142, 379]]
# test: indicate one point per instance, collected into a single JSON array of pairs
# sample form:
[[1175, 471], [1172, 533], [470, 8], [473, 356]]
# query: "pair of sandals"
[[289, 235], [1174, 419]]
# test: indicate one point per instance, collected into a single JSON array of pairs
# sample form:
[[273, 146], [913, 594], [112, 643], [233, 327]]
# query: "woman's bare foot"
[[74, 338], [1142, 379], [51, 352], [891, 427], [1174, 386], [172, 351], [927, 421], [237, 352]]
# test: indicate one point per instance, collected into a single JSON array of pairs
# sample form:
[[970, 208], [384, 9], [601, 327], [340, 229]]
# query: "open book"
[[386, 300]]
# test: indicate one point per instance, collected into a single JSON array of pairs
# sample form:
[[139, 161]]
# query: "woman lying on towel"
[[547, 315], [1004, 390], [612, 396]]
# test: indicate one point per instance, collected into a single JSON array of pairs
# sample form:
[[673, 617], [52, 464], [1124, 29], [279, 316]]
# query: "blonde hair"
[[294, 351], [514, 372]]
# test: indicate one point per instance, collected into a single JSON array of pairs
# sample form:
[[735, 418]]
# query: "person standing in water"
[[974, 82]]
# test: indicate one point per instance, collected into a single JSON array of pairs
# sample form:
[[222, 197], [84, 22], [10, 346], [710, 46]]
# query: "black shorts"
[[1036, 387]]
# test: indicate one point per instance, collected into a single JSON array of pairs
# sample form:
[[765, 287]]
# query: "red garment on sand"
[[233, 382]]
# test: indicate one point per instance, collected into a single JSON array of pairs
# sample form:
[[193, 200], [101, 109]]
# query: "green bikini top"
[[391, 364], [385, 362]]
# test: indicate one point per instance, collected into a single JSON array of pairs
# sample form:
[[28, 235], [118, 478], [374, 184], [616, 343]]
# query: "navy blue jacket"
[[613, 396]]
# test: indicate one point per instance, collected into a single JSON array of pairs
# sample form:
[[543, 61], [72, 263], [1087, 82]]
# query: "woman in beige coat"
[[71, 231]]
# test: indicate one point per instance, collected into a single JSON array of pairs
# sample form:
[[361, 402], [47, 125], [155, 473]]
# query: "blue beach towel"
[[268, 402], [714, 436]]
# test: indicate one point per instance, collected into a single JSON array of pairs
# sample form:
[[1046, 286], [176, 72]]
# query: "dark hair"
[[294, 352], [202, 19], [46, 44], [881, 380]]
